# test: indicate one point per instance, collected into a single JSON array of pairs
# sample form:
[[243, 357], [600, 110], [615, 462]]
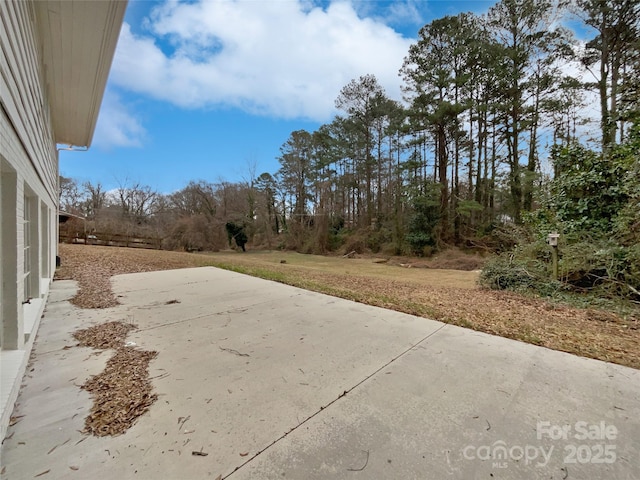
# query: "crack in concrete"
[[208, 314], [343, 394]]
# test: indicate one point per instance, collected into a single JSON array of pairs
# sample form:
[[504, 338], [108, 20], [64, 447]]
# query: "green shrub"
[[377, 238], [594, 203], [604, 267], [422, 228], [335, 241], [419, 241], [508, 272], [601, 268]]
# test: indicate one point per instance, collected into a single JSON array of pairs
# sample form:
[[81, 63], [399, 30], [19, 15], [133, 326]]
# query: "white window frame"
[[26, 244]]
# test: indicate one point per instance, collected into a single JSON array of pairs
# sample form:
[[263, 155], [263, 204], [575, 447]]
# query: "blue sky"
[[210, 90]]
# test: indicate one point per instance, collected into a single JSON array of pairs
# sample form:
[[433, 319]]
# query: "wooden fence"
[[110, 239]]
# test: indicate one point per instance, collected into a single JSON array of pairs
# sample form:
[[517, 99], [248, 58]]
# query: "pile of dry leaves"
[[123, 391], [103, 336], [93, 266]]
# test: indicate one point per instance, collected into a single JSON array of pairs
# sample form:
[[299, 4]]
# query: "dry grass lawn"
[[450, 296]]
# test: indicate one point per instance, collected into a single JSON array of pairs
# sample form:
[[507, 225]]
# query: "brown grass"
[[450, 296]]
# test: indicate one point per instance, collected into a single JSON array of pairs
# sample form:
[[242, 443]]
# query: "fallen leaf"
[[15, 420], [244, 454], [73, 467]]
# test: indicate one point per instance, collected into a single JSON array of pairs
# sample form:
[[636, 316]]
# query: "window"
[[27, 248]]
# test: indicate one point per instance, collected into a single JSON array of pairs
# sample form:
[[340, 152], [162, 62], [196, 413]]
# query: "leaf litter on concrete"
[[93, 266], [104, 336], [123, 391]]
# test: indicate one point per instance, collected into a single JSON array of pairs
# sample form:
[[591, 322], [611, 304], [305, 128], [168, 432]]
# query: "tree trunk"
[[442, 174]]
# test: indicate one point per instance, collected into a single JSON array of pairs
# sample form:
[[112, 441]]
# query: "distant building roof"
[[63, 217]]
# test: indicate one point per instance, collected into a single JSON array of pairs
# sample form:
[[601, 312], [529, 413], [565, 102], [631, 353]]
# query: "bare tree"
[[135, 201], [95, 199], [70, 196]]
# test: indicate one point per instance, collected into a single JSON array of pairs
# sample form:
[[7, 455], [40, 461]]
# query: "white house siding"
[[28, 193]]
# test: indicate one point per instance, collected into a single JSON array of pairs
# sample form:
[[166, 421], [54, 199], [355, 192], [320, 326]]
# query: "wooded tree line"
[[487, 100], [193, 218]]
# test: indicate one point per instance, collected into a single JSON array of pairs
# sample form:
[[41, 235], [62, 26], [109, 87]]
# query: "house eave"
[[78, 41]]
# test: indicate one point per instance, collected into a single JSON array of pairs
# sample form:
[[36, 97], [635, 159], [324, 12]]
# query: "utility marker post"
[[553, 242]]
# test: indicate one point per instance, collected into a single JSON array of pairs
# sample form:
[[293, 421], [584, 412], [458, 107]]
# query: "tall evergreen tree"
[[435, 71], [295, 172], [363, 101], [529, 39], [614, 52]]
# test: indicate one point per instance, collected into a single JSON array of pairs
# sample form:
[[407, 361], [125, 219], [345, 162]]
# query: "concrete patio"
[[279, 382]]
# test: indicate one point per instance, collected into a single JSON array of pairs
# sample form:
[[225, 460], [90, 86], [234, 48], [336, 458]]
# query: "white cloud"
[[117, 126], [285, 59], [405, 11]]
